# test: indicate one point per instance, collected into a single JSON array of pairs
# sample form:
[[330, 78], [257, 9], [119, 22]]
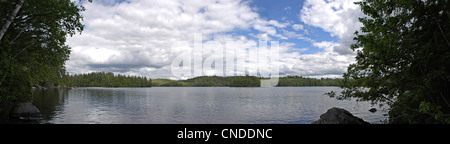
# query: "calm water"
[[194, 105]]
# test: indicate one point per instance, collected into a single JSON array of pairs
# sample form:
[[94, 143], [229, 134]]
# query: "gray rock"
[[38, 87], [339, 116], [373, 110], [25, 111]]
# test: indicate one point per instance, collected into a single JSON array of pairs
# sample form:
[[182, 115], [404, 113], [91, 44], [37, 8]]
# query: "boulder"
[[25, 111], [38, 87], [373, 110], [339, 116]]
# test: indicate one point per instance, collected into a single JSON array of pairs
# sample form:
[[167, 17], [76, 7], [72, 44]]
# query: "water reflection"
[[50, 102], [193, 105]]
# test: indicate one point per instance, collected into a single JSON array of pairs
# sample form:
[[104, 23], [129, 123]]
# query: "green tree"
[[102, 79], [32, 44], [403, 59], [245, 81]]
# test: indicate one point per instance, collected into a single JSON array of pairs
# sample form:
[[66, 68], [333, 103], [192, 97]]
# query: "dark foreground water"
[[194, 105]]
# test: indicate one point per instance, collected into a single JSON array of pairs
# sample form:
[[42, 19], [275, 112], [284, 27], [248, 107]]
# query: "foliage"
[[207, 81], [167, 83], [243, 81], [302, 81], [210, 81], [216, 81], [103, 79], [403, 59], [15, 84], [33, 49]]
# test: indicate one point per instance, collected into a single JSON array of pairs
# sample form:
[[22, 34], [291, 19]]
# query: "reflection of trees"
[[50, 101], [99, 96]]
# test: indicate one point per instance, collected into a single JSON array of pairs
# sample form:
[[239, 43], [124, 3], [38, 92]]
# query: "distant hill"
[[103, 79], [302, 81], [243, 81], [167, 83]]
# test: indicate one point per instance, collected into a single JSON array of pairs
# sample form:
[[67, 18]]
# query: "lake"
[[194, 105]]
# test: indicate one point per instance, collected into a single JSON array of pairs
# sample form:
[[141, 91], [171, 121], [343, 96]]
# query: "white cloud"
[[297, 27], [136, 37], [322, 64], [268, 29], [326, 45], [338, 17], [277, 24], [295, 35], [287, 8], [325, 63]]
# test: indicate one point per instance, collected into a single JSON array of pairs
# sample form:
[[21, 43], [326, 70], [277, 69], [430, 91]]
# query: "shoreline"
[[39, 87]]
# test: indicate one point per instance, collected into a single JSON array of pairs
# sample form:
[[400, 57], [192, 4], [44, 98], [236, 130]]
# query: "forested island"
[[103, 79]]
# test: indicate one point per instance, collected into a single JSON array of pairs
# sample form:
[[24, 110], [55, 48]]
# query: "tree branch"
[[23, 50], [442, 32], [11, 18], [21, 31]]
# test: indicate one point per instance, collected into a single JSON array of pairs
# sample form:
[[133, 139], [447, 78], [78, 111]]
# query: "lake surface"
[[194, 105]]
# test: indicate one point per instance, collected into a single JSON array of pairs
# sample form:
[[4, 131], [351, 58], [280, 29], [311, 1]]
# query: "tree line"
[[244, 81], [106, 79], [304, 81]]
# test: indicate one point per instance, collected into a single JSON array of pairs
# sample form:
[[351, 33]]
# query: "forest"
[[103, 79], [303, 81], [243, 81], [33, 47]]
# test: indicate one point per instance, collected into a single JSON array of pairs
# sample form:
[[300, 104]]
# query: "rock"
[[25, 111], [38, 87], [339, 116], [63, 87], [373, 110]]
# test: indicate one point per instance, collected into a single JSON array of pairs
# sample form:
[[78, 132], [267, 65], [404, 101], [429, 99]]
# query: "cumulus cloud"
[[338, 17], [139, 34], [297, 27], [325, 63], [136, 37]]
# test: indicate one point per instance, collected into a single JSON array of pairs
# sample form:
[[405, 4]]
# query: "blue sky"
[[288, 11], [136, 37]]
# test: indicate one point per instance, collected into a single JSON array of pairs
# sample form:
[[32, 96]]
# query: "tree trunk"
[[11, 18]]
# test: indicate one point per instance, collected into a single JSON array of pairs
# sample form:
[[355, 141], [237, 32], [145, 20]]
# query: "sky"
[[136, 37]]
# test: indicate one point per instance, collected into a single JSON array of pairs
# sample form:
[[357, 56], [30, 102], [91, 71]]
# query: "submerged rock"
[[25, 111], [339, 116]]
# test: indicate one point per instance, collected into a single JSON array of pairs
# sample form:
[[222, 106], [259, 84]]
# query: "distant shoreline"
[[206, 87], [244, 81]]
